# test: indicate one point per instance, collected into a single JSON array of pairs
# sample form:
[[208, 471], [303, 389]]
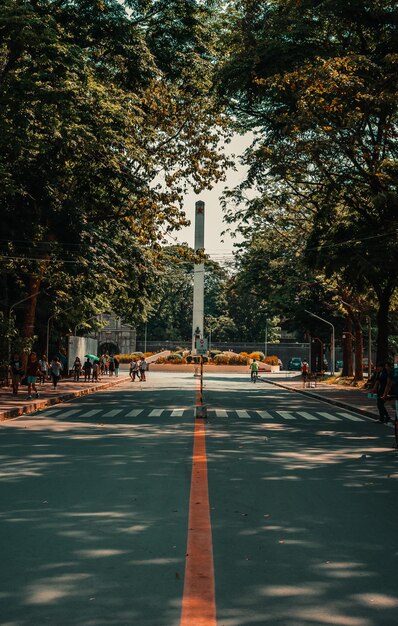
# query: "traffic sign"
[[201, 346]]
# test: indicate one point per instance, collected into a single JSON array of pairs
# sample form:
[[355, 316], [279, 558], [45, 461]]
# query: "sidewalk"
[[13, 406], [339, 395]]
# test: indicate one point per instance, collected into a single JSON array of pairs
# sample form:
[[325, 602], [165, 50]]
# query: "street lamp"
[[332, 347], [369, 346], [266, 338], [12, 307], [48, 326], [82, 323]]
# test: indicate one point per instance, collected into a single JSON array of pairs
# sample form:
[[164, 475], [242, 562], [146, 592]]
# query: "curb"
[[32, 407], [343, 405]]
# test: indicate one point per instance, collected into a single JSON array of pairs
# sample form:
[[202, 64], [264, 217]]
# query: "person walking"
[[32, 372], [111, 366], [77, 369], [304, 372], [95, 371], [135, 370], [56, 369], [87, 367], [381, 380], [117, 365], [43, 367], [143, 369], [16, 372]]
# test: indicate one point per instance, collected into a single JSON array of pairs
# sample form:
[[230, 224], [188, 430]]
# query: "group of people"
[[138, 370], [94, 368], [34, 369], [39, 370]]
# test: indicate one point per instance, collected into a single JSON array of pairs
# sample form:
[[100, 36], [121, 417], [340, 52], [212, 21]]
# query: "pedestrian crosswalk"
[[143, 412]]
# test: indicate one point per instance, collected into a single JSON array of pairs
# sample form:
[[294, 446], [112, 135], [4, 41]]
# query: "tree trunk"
[[347, 349], [384, 299], [358, 352], [30, 307]]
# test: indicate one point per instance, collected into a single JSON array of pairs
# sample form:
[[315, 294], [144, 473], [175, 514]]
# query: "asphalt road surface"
[[96, 494]]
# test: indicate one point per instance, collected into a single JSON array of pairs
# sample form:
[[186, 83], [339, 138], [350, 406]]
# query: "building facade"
[[115, 337]]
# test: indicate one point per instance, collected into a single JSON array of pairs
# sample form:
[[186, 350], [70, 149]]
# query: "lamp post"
[[332, 347], [48, 326], [266, 338], [12, 307], [84, 321], [369, 346]]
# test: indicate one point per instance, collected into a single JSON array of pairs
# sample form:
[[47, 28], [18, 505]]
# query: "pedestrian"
[[106, 365], [135, 370], [143, 369], [77, 369], [55, 369], [117, 365], [32, 372], [391, 390], [111, 366], [95, 371], [16, 372], [43, 367], [381, 380], [87, 367], [304, 372]]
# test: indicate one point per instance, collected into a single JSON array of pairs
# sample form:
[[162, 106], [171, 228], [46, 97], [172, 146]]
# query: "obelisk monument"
[[198, 274]]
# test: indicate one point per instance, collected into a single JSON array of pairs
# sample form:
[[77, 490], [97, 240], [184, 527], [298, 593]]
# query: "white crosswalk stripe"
[[177, 413], [265, 415], [69, 413], [90, 413], [353, 418], [331, 418], [112, 413], [134, 413], [243, 414], [221, 413], [307, 416], [286, 415], [156, 413]]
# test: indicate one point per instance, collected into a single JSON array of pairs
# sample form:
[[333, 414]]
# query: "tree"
[[318, 83], [101, 130]]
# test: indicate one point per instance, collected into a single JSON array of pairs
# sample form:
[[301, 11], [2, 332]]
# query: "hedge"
[[126, 358], [271, 360]]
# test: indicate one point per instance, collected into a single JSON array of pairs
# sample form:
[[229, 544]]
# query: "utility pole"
[[198, 274], [266, 337], [369, 347], [332, 346]]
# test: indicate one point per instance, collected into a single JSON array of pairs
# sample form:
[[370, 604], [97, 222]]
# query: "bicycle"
[[254, 376]]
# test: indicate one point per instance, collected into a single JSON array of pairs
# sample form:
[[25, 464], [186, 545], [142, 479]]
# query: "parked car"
[[295, 364]]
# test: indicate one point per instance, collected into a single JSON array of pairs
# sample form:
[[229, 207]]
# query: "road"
[[95, 501]]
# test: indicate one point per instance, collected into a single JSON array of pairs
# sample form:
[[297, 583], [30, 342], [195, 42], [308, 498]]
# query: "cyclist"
[[254, 370]]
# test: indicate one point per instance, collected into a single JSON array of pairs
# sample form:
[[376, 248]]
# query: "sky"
[[220, 248]]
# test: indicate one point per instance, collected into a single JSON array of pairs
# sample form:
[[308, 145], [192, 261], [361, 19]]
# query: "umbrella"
[[91, 356]]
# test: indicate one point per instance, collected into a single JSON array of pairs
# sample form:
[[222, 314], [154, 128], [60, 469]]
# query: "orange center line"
[[199, 603]]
